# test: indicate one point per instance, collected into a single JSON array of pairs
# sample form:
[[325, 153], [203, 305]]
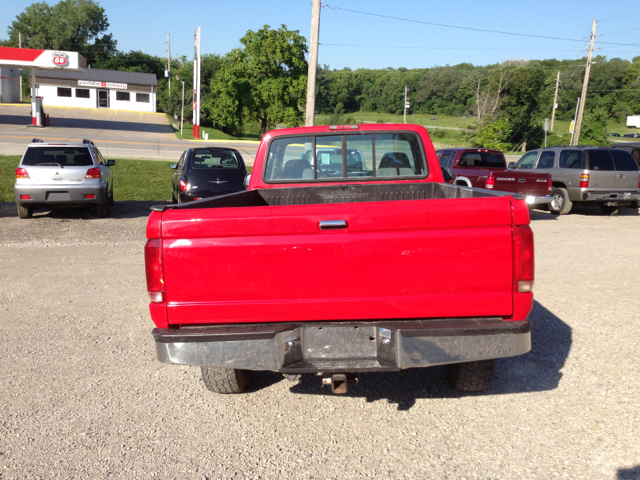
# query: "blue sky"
[[355, 40]]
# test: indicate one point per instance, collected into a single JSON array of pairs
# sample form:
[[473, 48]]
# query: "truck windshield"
[[63, 156], [331, 157]]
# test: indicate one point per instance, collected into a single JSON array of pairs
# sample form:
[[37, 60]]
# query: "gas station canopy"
[[34, 58], [31, 57]]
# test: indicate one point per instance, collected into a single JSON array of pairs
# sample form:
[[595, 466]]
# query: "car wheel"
[[610, 210], [111, 201], [470, 376], [560, 203], [25, 211], [225, 380], [102, 209], [173, 197]]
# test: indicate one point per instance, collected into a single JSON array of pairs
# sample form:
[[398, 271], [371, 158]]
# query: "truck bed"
[[403, 251]]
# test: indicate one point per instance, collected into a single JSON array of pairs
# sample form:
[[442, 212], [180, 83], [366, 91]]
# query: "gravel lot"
[[83, 396]]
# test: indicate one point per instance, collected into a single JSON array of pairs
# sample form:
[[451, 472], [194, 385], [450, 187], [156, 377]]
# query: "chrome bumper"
[[610, 197], [60, 194], [537, 200], [344, 347]]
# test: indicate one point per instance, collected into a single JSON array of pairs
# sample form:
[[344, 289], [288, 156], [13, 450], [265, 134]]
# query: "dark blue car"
[[207, 172]]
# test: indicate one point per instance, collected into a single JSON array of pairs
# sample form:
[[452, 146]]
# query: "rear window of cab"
[[350, 157]]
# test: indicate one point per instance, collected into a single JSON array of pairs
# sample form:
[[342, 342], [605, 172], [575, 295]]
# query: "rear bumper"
[[538, 200], [344, 347], [605, 197], [60, 194]]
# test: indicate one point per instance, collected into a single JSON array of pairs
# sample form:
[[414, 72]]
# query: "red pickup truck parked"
[[346, 254], [482, 168]]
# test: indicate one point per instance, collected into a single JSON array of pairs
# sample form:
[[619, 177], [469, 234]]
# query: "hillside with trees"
[[504, 103]]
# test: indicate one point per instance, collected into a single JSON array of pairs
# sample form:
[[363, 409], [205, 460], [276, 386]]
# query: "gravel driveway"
[[83, 396]]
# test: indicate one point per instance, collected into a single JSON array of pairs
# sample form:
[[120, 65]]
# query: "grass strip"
[[132, 179]]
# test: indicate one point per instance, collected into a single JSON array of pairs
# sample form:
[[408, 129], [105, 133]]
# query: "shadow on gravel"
[[122, 209], [594, 211], [542, 215], [539, 370], [632, 473]]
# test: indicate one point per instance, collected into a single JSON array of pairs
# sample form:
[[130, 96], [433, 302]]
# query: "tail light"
[[490, 182], [638, 183], [155, 271], [25, 197], [22, 173], [524, 264], [584, 180], [549, 186], [183, 185], [93, 173]]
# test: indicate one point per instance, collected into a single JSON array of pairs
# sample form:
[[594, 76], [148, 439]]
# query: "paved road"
[[83, 396], [117, 134]]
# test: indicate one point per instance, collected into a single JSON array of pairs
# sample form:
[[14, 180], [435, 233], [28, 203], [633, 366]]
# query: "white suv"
[[63, 174]]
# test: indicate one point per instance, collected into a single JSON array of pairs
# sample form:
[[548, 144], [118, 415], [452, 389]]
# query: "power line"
[[470, 28], [620, 31], [447, 48], [620, 16]]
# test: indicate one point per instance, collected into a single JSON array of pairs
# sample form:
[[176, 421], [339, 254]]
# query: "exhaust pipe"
[[339, 381]]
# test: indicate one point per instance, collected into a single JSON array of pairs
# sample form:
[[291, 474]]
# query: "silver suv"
[[63, 174], [607, 177]]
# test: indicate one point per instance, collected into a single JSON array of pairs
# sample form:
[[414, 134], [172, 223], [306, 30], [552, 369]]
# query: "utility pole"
[[573, 125], [555, 102], [405, 104], [313, 64], [169, 60], [576, 137], [20, 46]]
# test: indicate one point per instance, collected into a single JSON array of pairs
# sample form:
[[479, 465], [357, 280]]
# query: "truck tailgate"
[[526, 183], [395, 259]]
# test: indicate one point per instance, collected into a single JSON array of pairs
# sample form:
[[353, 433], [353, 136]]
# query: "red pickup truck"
[[482, 168], [347, 253]]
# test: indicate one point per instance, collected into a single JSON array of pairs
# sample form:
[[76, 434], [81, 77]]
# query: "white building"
[[9, 85], [96, 88]]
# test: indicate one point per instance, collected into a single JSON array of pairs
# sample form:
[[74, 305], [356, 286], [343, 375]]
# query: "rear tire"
[[102, 209], [225, 380], [610, 210], [470, 376], [25, 211], [560, 203], [111, 201]]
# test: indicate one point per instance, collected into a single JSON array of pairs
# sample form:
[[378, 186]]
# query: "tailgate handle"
[[333, 224], [522, 180]]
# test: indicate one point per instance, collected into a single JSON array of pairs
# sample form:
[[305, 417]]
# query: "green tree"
[[494, 135], [74, 25], [265, 80], [594, 128]]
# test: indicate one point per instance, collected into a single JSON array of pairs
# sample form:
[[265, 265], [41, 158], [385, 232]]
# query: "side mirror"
[[447, 173], [173, 165], [511, 165], [111, 163], [247, 179]]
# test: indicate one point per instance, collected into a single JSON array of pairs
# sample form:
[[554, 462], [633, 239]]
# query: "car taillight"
[[549, 185], [183, 185], [584, 180], [524, 264], [490, 182], [155, 270], [22, 173], [93, 173]]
